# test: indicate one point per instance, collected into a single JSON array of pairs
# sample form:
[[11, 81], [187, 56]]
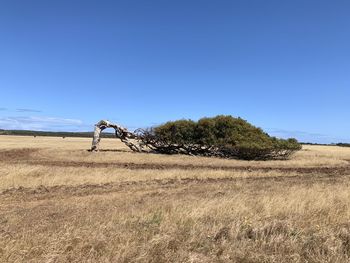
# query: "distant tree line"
[[343, 144], [52, 134]]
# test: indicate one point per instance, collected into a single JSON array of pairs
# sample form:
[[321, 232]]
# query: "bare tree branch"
[[120, 132]]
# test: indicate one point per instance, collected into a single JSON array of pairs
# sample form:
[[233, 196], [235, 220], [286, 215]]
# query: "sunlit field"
[[61, 203]]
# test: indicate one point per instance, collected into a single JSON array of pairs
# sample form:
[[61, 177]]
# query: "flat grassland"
[[61, 203]]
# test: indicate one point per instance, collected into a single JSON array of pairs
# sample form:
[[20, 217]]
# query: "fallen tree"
[[221, 136]]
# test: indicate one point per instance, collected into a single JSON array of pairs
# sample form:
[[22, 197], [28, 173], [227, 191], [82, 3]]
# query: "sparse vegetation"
[[60, 203]]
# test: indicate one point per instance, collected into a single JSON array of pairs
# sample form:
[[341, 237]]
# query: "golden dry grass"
[[60, 203]]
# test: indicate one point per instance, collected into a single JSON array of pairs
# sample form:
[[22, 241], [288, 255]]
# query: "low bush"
[[222, 136]]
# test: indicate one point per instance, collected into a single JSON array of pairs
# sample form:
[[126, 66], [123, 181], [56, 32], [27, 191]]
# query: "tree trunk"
[[120, 132]]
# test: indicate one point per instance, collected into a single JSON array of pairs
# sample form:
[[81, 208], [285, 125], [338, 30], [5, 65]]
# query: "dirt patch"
[[16, 154], [43, 192], [156, 166], [25, 155]]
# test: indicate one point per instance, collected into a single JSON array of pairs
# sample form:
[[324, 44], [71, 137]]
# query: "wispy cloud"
[[42, 123], [27, 110], [3, 109]]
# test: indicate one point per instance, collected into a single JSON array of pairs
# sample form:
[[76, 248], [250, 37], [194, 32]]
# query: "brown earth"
[[25, 155]]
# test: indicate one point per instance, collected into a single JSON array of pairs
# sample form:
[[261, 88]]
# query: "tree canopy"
[[222, 136]]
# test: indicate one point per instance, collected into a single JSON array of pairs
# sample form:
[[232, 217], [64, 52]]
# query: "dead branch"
[[120, 132]]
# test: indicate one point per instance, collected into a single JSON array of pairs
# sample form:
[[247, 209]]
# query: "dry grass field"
[[61, 203]]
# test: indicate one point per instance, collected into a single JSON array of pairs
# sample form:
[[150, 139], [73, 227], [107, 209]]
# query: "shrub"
[[223, 136]]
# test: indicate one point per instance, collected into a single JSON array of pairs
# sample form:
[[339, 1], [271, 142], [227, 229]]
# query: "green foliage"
[[224, 136], [177, 132]]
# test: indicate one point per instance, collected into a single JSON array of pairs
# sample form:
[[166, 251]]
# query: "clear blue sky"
[[282, 65]]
